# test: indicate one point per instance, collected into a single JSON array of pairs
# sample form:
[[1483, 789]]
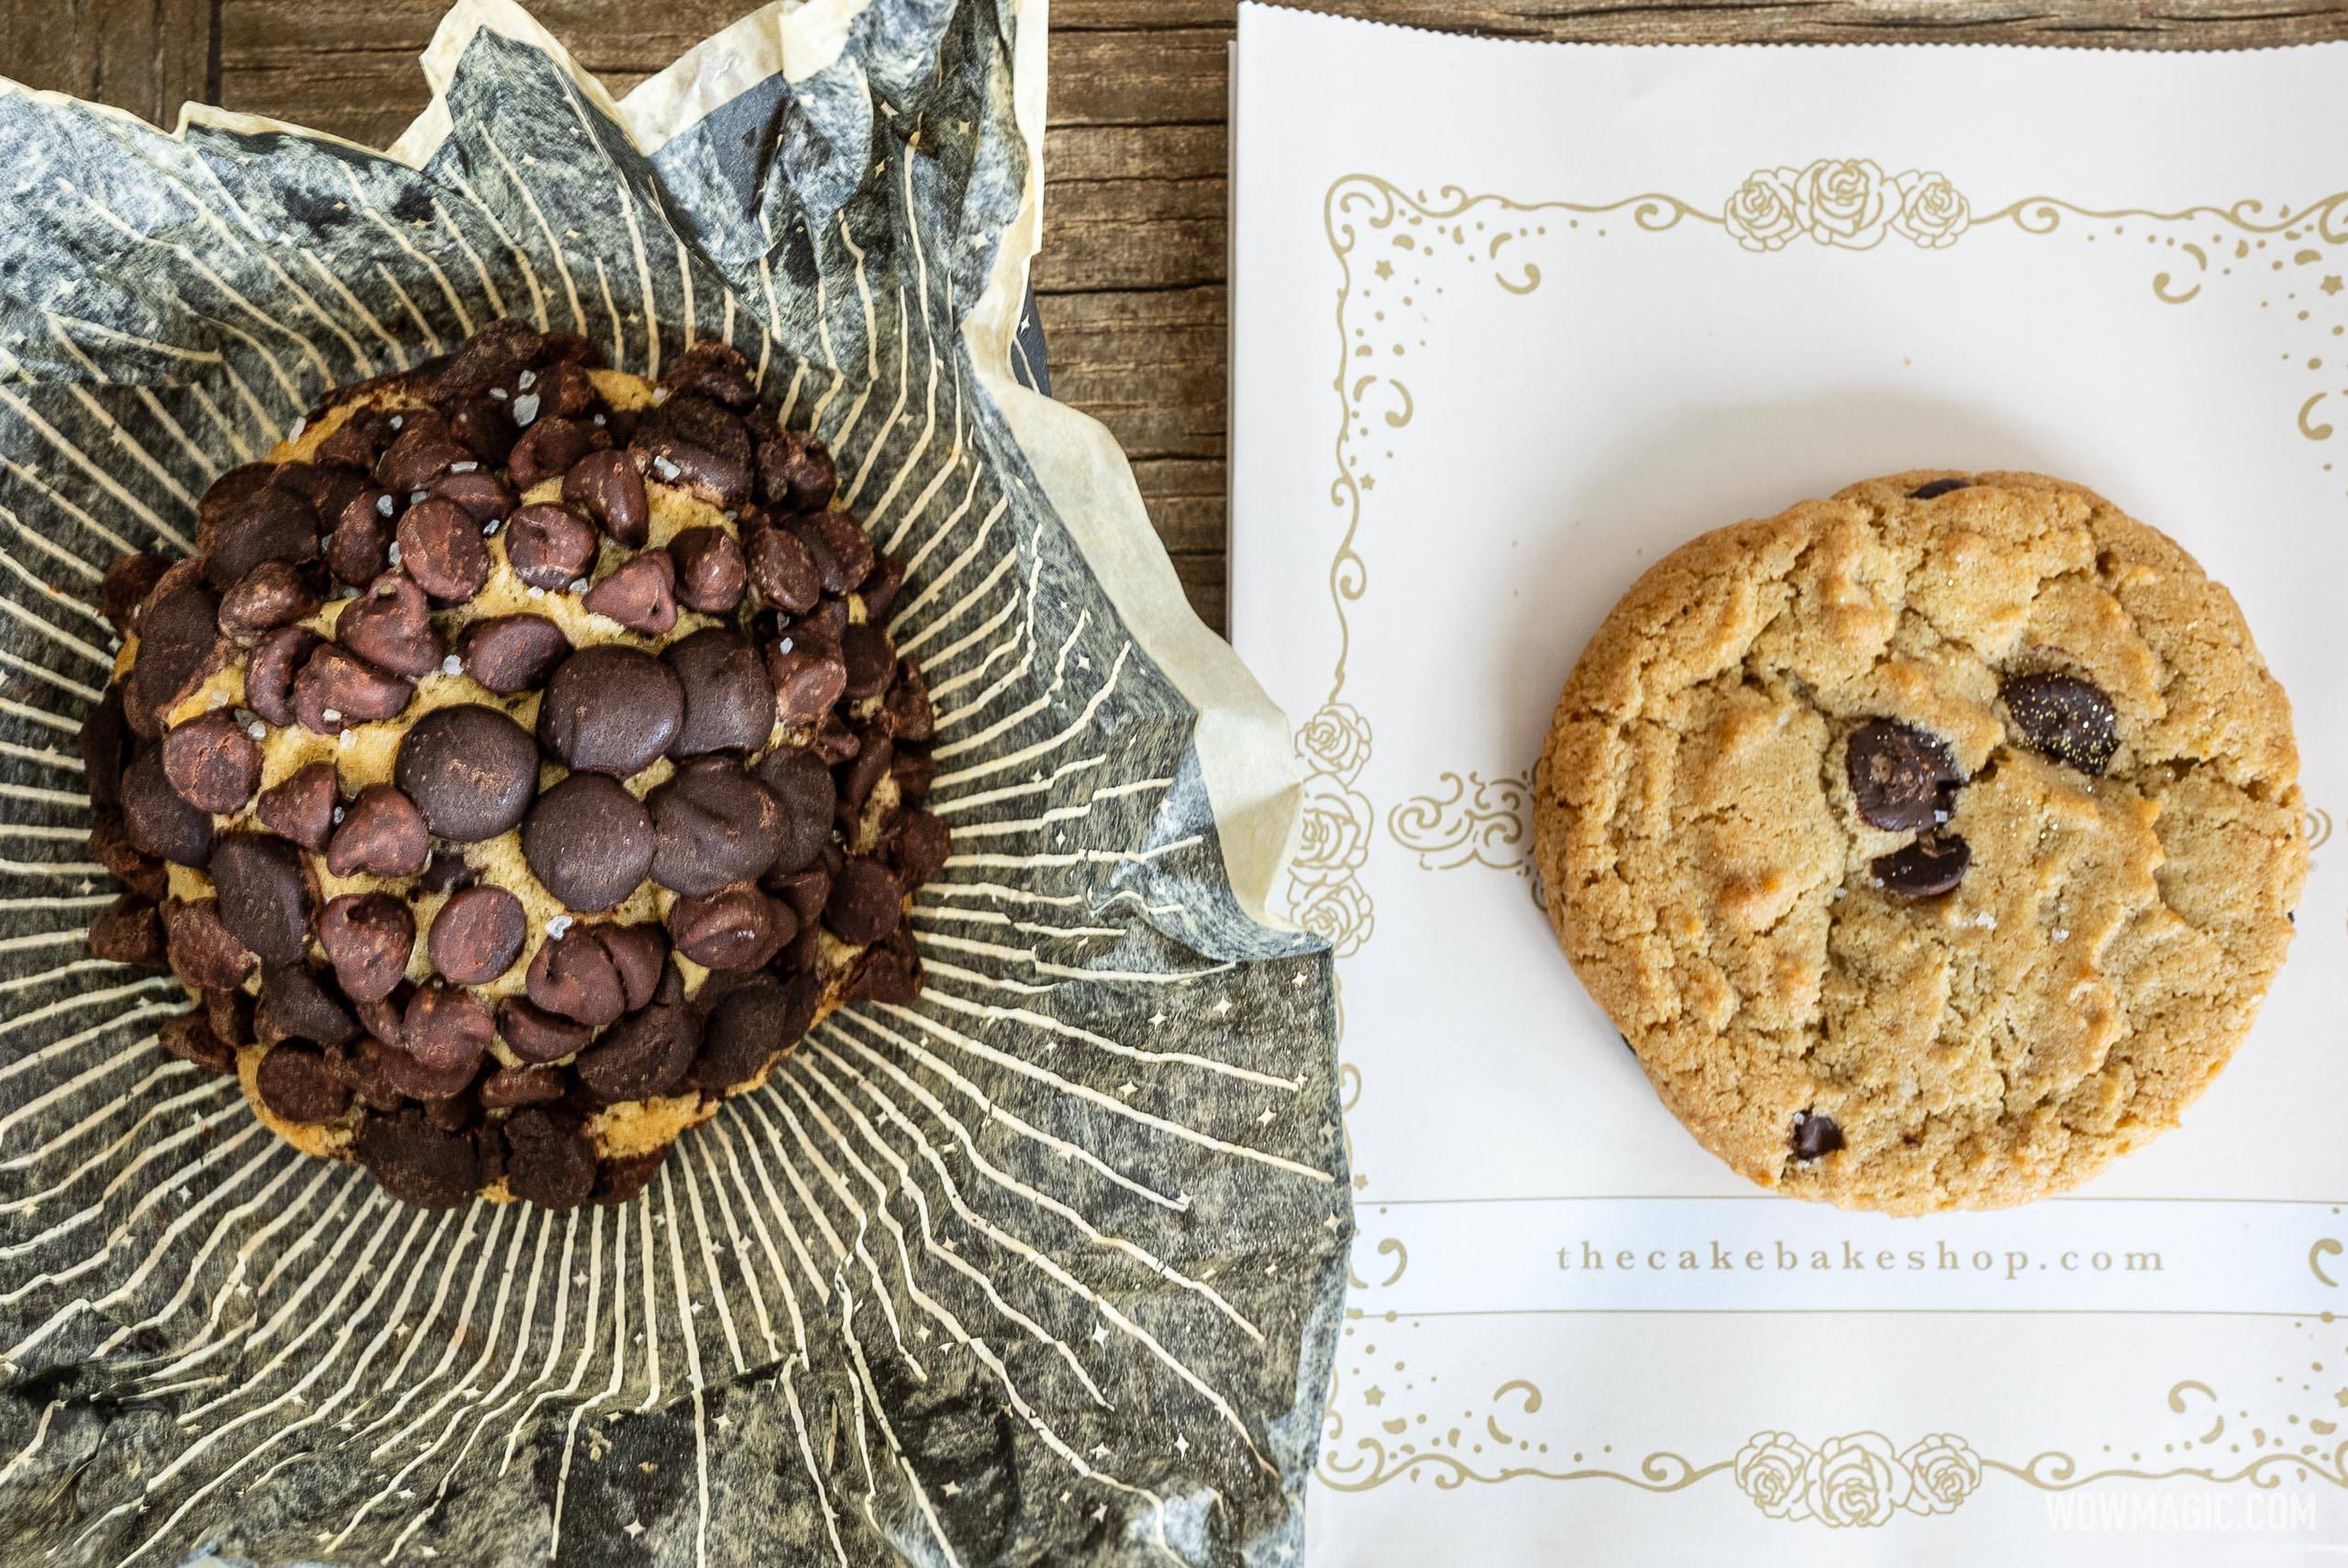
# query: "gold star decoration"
[[1373, 1395], [2331, 285], [1384, 269]]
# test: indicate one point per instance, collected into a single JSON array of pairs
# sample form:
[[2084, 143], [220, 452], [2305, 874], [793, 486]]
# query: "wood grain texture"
[[1130, 284]]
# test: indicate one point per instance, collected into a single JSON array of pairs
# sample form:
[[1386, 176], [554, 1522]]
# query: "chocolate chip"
[[477, 935], [795, 470], [549, 1162], [294, 1082], [620, 1179], [512, 653], [382, 834], [416, 1162], [916, 771], [212, 762], [1900, 776], [390, 627], [2064, 718], [864, 771], [264, 891], [337, 689], [713, 825], [644, 1055], [716, 370], [1932, 866], [296, 1003], [447, 1033], [889, 972], [735, 928], [509, 1088], [1931, 491], [224, 496], [906, 712], [157, 819], [360, 549], [865, 904], [729, 702], [447, 872], [442, 549], [804, 891], [271, 525], [273, 594], [807, 680], [367, 937], [127, 583], [843, 555], [550, 447], [269, 675], [419, 454], [358, 440], [535, 1035], [711, 575], [803, 785], [179, 634], [606, 486], [782, 569], [549, 547], [588, 841], [573, 975], [111, 848], [486, 498], [565, 390], [455, 1112], [190, 1038], [493, 356], [203, 952], [640, 954], [871, 662], [918, 846], [384, 1017], [611, 709], [470, 769], [692, 442], [129, 931], [752, 1025], [640, 595], [1814, 1136], [879, 591]]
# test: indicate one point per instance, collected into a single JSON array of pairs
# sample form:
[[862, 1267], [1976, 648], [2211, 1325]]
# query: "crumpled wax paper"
[[1042, 1269]]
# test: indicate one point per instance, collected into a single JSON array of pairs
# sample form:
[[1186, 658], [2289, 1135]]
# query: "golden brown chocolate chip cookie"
[[1932, 845]]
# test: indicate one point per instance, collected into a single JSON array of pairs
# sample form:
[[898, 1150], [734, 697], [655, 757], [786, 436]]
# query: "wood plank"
[[147, 56]]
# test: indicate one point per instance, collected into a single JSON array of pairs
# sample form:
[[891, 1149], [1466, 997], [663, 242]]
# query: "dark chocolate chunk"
[[589, 842], [296, 1003], [512, 653], [711, 575], [1814, 1136], [367, 937], [871, 662], [564, 391], [644, 1055], [493, 357], [179, 632], [269, 675], [864, 770], [470, 769], [189, 1036], [1932, 489], [805, 891], [906, 712], [551, 546], [2064, 718], [125, 586], [880, 589], [807, 680], [271, 525], [360, 549], [225, 494], [735, 928], [843, 555], [752, 1025], [607, 487], [804, 786], [917, 846], [447, 1031], [442, 549], [641, 594], [865, 902], [477, 935], [620, 1179], [105, 744], [111, 848], [273, 594], [536, 1034], [888, 971], [358, 440], [1932, 866], [782, 569], [390, 627], [1900, 776], [447, 872], [382, 833], [713, 825], [550, 447], [264, 894], [573, 975], [129, 931], [419, 454], [796, 471], [549, 1161], [640, 954], [729, 702], [694, 443], [416, 1162], [509, 1087], [714, 368], [203, 950], [212, 762], [611, 709], [295, 1082], [338, 689], [486, 498]]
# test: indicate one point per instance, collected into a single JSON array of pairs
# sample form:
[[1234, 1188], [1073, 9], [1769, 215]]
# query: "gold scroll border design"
[[1858, 1479]]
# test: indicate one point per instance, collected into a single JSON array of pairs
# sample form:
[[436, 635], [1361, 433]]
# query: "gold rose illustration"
[[1849, 203], [1329, 899], [1859, 1481]]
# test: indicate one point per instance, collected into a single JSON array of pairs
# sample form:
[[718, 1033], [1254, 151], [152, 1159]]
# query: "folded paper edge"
[[793, 39], [1246, 754]]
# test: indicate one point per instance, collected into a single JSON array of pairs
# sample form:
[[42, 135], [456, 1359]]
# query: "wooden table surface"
[[1131, 280]]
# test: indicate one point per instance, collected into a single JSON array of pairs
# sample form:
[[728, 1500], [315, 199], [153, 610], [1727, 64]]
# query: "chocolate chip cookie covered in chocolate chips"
[[1933, 846], [522, 765]]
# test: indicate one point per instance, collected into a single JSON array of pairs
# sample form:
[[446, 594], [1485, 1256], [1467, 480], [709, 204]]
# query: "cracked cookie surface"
[[1932, 845]]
